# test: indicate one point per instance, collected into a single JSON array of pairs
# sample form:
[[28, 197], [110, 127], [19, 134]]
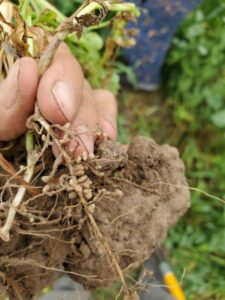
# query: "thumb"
[[17, 97]]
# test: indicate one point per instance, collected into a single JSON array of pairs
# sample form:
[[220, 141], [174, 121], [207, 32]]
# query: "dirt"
[[135, 197]]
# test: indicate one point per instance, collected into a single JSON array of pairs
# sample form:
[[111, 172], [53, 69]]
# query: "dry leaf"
[[6, 11], [9, 169], [77, 22], [18, 36], [6, 166], [40, 38], [3, 20]]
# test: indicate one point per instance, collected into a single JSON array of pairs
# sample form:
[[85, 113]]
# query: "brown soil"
[[128, 202]]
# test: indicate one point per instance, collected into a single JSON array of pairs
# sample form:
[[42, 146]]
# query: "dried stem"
[[4, 231], [64, 30], [74, 26]]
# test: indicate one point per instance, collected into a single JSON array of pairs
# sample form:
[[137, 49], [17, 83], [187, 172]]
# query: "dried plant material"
[[13, 39], [4, 22], [78, 21], [6, 10], [40, 39], [18, 38], [6, 166]]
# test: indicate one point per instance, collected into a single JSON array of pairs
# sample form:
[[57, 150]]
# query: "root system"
[[95, 219]]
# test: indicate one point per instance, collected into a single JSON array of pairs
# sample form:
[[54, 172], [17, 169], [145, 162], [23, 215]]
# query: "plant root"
[[95, 219]]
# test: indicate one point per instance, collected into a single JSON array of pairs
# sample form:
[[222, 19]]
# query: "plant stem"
[[4, 231], [23, 8], [43, 4], [89, 8], [47, 57], [102, 25]]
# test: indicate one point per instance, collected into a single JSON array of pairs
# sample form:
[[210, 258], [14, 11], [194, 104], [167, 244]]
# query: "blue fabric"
[[157, 25]]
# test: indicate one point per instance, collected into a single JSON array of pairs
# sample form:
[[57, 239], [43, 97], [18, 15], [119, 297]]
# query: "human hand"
[[63, 96]]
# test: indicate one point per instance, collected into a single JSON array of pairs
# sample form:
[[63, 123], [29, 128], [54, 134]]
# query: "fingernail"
[[65, 96]]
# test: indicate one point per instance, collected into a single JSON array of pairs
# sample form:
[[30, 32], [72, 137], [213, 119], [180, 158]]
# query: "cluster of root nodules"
[[95, 219]]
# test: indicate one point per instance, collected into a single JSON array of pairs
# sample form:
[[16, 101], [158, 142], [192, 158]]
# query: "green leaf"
[[219, 118], [46, 19], [196, 30], [203, 50], [214, 97], [91, 41]]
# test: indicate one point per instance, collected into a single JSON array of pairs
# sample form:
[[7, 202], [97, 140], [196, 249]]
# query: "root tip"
[[4, 235]]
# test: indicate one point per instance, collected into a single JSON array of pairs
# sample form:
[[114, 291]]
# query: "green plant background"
[[189, 113]]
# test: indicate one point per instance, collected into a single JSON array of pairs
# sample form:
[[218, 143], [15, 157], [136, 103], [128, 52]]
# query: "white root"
[[31, 160]]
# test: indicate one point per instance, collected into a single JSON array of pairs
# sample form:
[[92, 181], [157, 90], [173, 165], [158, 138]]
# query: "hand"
[[63, 96]]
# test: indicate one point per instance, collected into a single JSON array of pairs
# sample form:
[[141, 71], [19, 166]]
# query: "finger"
[[60, 88], [107, 112], [17, 97], [85, 124]]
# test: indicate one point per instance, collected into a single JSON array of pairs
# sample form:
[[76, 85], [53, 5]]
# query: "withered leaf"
[[77, 22], [9, 50], [9, 169], [40, 38], [6, 10], [88, 20], [6, 166], [3, 20], [18, 38]]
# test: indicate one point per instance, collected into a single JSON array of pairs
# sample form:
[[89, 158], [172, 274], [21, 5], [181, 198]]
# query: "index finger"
[[60, 88]]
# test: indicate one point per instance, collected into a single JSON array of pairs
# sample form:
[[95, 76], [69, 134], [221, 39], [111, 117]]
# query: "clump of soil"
[[95, 219]]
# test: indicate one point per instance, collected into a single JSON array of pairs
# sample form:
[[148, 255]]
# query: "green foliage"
[[67, 7], [196, 66], [47, 20], [192, 118], [196, 85]]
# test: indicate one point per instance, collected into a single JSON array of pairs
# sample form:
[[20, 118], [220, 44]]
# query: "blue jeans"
[[157, 24]]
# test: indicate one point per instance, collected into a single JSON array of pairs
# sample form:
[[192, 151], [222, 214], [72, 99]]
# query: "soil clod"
[[96, 228]]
